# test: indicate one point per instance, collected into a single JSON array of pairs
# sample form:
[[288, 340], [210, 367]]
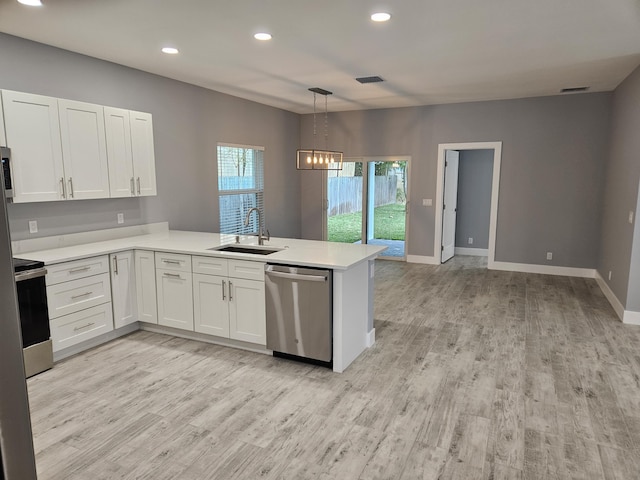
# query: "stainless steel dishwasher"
[[299, 312]]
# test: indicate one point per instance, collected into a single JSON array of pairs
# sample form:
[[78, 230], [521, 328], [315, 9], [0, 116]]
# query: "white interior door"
[[452, 159]]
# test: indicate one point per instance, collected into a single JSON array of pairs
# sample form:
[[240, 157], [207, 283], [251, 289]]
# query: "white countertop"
[[337, 256]]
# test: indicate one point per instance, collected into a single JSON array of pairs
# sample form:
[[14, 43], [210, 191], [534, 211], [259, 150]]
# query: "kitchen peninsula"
[[107, 283]]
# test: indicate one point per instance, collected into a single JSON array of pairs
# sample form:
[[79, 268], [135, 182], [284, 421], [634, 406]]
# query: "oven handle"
[[30, 274]]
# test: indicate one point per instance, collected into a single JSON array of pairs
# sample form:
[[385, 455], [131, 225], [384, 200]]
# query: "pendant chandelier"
[[319, 159]]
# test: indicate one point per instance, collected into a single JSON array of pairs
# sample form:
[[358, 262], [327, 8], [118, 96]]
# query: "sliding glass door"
[[367, 203]]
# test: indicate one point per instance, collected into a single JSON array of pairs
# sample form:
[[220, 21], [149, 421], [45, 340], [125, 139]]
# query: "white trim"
[[608, 293], [631, 318], [476, 252], [495, 190], [371, 338], [544, 269], [201, 337], [423, 259]]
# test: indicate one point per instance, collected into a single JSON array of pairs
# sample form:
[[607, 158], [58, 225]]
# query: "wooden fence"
[[345, 193]]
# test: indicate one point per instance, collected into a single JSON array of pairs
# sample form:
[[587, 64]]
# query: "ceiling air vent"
[[574, 89], [372, 79]]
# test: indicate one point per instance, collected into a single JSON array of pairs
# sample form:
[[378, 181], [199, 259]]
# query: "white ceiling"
[[430, 52]]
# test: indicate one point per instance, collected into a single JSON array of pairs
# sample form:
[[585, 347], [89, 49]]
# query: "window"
[[240, 187]]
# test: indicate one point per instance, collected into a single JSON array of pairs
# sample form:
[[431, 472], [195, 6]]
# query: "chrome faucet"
[[262, 236]]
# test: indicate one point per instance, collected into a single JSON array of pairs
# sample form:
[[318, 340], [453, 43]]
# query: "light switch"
[[427, 202], [33, 226], [549, 256], [631, 217], [121, 218]]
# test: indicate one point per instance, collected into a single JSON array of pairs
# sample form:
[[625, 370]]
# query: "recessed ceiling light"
[[262, 36], [31, 3], [380, 17], [170, 50]]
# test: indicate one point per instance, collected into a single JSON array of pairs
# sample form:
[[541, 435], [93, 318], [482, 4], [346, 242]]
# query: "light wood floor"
[[475, 374]]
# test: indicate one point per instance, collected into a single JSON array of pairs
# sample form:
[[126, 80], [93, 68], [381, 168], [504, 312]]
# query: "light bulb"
[[333, 160], [308, 159], [315, 160]]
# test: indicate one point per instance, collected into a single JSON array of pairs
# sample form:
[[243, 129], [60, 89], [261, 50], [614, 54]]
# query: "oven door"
[[32, 304]]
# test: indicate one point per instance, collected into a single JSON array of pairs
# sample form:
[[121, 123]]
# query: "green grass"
[[388, 224]]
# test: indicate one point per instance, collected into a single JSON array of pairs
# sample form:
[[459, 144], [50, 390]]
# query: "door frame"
[[495, 190], [365, 188]]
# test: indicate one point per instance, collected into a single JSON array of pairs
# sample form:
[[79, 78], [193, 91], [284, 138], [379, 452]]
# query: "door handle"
[[64, 193], [224, 284], [115, 264], [70, 187], [138, 185], [230, 291], [295, 276], [133, 188]]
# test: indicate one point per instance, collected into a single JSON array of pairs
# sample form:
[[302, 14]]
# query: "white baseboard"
[[631, 318], [201, 337], [476, 252], [423, 259], [94, 342], [608, 293], [544, 269], [371, 337]]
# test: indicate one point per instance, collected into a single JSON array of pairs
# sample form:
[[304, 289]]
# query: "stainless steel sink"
[[246, 249]]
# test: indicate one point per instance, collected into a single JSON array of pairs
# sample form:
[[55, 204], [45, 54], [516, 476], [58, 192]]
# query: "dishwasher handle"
[[297, 276]]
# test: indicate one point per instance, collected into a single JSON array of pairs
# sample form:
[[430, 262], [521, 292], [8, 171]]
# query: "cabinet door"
[[123, 289], [118, 134], [33, 134], [210, 307], [144, 160], [175, 299], [247, 318], [146, 286], [84, 149]]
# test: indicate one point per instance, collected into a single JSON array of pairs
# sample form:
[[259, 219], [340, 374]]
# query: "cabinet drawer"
[[173, 261], [63, 272], [75, 295], [210, 265], [80, 326], [246, 269]]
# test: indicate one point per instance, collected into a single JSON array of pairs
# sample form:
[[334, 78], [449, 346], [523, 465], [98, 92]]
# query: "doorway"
[[366, 202], [447, 197]]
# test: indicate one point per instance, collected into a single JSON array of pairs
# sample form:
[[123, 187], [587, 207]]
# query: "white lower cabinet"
[[229, 306], [174, 286], [123, 288], [146, 286], [79, 300]]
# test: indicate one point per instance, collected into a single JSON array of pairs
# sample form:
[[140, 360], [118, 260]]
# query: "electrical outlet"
[[470, 241], [631, 217], [33, 226], [427, 202], [549, 256], [609, 274], [121, 218]]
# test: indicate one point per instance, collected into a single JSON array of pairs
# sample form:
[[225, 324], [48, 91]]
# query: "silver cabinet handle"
[[115, 264], [172, 262], [70, 187], [64, 193], [230, 290], [138, 185], [173, 275], [79, 269], [133, 188], [81, 295], [224, 283], [84, 326]]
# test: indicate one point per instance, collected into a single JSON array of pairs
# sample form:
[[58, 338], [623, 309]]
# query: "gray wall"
[[553, 160], [475, 174], [621, 196], [188, 123]]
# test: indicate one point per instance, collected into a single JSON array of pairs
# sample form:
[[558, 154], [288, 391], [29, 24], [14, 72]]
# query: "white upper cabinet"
[[84, 149], [132, 170], [118, 133], [144, 160], [3, 138], [33, 134]]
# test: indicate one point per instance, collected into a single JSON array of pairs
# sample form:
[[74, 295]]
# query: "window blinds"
[[240, 187]]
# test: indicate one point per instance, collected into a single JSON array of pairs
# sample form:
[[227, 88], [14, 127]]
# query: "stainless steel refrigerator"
[[16, 440]]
